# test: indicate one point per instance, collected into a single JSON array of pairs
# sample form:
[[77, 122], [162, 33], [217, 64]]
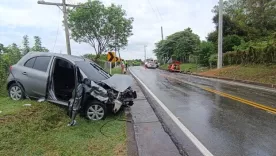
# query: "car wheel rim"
[[95, 112], [16, 93]]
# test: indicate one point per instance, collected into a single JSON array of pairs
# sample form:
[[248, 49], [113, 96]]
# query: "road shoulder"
[[150, 136]]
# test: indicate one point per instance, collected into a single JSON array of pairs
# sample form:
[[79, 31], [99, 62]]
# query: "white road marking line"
[[184, 129]]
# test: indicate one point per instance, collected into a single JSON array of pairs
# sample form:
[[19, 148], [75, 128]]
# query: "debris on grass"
[[41, 100]]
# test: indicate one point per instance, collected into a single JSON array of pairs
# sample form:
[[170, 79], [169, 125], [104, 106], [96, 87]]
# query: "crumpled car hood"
[[119, 82]]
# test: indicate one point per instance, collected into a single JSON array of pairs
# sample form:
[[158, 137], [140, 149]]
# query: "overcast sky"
[[26, 17]]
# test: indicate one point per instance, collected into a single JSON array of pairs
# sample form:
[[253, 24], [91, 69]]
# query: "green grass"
[[188, 67], [185, 67], [164, 66], [257, 73], [41, 129], [116, 70]]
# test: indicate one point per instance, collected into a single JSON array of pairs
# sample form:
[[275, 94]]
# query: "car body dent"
[[96, 91], [119, 82]]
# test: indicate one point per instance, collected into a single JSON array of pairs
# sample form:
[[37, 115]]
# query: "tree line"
[[11, 54], [249, 36]]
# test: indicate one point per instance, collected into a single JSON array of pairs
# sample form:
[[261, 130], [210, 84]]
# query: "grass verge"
[[257, 73], [41, 129], [116, 70], [186, 67]]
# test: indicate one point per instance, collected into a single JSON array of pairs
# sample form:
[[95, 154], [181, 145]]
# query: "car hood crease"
[[119, 82]]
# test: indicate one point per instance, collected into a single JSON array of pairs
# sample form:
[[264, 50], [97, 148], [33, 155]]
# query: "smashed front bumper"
[[118, 91]]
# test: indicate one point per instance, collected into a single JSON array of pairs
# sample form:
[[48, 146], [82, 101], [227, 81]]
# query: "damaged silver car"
[[73, 81]]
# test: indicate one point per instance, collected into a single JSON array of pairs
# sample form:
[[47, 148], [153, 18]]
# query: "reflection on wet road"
[[226, 119]]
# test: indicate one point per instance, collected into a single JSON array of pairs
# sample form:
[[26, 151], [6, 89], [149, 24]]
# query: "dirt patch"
[[9, 118], [120, 149], [216, 72]]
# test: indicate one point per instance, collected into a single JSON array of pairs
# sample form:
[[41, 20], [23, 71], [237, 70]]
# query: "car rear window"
[[41, 63], [93, 71], [30, 62]]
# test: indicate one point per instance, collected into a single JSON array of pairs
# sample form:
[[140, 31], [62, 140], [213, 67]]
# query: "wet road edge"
[[151, 138], [182, 142], [132, 149]]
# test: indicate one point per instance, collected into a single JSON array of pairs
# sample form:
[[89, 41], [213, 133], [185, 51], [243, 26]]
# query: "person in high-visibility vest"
[[122, 66], [126, 65]]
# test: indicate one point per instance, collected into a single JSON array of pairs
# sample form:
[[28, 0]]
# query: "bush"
[[206, 50], [3, 76], [231, 41], [213, 60], [8, 56], [256, 53], [136, 63]]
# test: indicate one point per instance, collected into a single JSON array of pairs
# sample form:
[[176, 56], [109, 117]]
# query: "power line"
[[153, 9], [56, 33], [160, 17], [64, 10], [159, 13]]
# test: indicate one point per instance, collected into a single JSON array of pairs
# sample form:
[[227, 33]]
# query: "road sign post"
[[110, 67], [111, 57]]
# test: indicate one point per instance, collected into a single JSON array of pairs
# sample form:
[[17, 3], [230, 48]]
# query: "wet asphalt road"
[[222, 118]]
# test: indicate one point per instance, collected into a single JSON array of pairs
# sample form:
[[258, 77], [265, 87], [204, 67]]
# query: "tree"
[[261, 16], [187, 44], [38, 45], [253, 19], [230, 41], [13, 54], [164, 49], [181, 45], [2, 48], [104, 28], [26, 47], [206, 50]]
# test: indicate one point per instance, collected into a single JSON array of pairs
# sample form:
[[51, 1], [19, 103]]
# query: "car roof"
[[70, 58]]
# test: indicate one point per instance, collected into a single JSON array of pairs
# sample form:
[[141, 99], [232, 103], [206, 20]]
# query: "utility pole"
[[145, 52], [220, 36], [64, 10], [162, 33]]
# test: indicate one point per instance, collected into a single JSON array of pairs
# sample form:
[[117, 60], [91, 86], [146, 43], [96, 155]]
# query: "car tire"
[[16, 92], [95, 110]]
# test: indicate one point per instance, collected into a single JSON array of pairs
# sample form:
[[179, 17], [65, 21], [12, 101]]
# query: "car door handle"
[[24, 73]]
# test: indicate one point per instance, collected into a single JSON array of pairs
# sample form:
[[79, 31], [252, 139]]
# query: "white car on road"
[[150, 64]]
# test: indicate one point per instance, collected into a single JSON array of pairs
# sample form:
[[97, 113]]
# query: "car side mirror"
[[87, 82]]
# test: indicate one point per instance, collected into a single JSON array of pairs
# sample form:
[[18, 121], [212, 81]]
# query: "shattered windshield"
[[93, 71]]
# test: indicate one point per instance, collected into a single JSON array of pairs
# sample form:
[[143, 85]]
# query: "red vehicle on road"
[[174, 66]]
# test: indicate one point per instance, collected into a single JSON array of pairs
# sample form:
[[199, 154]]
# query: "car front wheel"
[[95, 110], [16, 92]]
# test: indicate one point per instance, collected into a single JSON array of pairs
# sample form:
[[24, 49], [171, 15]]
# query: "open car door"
[[75, 101]]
